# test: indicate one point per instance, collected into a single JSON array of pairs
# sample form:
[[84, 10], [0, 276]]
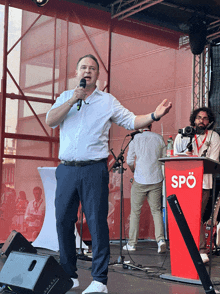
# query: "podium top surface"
[[210, 166]]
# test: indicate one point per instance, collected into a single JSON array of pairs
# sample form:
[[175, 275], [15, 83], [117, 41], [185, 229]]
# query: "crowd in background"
[[17, 213]]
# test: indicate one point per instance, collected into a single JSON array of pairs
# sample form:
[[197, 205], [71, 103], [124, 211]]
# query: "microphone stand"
[[119, 161], [189, 145]]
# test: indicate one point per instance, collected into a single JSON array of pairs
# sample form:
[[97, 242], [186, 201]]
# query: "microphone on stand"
[[135, 133], [83, 85]]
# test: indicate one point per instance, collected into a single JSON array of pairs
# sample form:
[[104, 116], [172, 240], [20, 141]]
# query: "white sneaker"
[[161, 246], [96, 286], [204, 257], [129, 247], [75, 283]]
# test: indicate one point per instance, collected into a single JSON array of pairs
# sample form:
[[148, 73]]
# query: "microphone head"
[[82, 83]]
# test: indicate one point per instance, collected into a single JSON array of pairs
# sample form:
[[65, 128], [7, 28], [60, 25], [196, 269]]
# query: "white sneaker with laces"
[[96, 286], [75, 283], [129, 247], [161, 246], [204, 257]]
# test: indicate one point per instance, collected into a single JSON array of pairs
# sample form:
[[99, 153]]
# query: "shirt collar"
[[96, 91]]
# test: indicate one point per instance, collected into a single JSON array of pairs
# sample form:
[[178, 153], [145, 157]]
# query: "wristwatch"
[[153, 117]]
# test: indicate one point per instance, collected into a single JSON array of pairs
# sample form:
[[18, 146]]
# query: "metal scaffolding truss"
[[53, 136], [125, 8], [213, 31], [201, 79]]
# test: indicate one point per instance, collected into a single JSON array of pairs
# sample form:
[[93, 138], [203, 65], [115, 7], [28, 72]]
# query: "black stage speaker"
[[17, 242], [190, 244], [197, 34], [214, 95], [27, 273]]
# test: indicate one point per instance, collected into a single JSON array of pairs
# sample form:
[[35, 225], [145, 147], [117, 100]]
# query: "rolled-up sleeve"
[[66, 95], [215, 147], [131, 154], [122, 116]]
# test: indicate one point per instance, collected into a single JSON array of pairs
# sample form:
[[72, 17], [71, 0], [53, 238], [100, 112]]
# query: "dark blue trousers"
[[89, 184]]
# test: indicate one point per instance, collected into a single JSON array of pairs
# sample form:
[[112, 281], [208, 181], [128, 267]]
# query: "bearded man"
[[205, 142]]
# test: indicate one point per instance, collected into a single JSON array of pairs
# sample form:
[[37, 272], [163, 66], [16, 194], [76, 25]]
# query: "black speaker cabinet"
[[17, 242], [28, 273]]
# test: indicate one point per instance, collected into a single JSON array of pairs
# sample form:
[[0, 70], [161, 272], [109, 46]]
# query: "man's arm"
[[180, 145], [131, 156], [58, 114], [142, 121], [215, 147], [132, 168], [27, 215]]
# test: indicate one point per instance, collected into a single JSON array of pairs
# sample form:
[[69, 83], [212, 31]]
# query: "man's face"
[[88, 69], [37, 194], [202, 120]]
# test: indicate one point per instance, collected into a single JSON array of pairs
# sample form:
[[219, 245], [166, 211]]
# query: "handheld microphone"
[[134, 133], [83, 85]]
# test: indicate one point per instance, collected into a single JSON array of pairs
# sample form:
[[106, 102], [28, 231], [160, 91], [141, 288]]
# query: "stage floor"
[[147, 280]]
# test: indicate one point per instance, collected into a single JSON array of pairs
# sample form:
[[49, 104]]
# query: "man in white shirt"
[[35, 212], [83, 174], [205, 142], [145, 150]]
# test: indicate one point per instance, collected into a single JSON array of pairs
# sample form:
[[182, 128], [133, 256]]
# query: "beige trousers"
[[153, 194]]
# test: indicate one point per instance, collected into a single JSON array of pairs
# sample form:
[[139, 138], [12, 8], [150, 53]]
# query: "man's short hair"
[[90, 56], [209, 113]]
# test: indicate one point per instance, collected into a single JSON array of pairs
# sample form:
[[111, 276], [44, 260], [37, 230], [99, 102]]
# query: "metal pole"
[[109, 56], [3, 91]]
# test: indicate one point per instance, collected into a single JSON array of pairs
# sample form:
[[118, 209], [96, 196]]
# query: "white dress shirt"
[[84, 134], [212, 139], [147, 148]]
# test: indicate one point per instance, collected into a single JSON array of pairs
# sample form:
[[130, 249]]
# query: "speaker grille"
[[214, 97]]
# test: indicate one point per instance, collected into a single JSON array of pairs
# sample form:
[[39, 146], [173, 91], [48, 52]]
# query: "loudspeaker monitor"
[[197, 34], [214, 95], [27, 273], [17, 242]]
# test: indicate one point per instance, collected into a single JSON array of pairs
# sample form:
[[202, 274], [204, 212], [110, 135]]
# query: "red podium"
[[184, 177]]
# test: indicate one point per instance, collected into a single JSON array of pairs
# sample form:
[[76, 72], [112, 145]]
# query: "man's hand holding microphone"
[[79, 94]]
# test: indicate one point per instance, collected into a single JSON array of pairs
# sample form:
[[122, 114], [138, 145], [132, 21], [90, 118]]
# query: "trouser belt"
[[82, 163]]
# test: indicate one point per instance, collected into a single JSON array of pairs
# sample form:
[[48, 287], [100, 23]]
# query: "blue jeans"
[[89, 184]]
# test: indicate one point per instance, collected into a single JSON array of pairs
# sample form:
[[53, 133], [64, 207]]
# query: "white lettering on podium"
[[179, 181], [174, 181]]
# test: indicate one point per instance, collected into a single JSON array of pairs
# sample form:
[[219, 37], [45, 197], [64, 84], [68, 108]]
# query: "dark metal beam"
[[137, 6]]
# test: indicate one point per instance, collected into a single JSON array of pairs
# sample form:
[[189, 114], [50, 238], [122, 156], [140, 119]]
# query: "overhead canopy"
[[177, 15]]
